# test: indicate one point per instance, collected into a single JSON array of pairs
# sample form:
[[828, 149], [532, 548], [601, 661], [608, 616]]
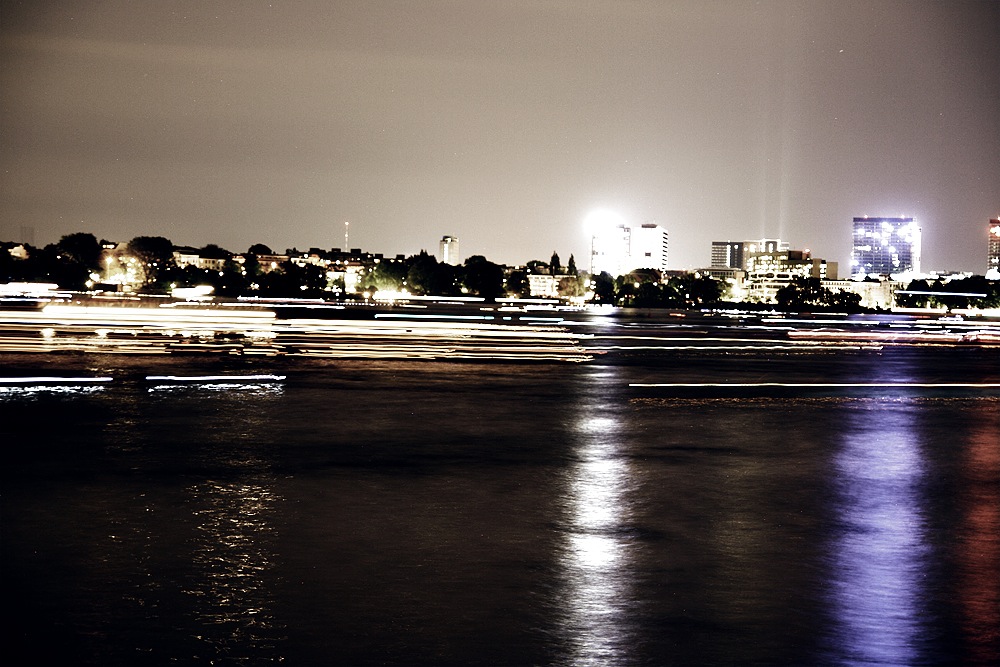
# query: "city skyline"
[[503, 125]]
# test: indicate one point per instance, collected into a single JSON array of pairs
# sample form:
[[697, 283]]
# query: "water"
[[438, 513]]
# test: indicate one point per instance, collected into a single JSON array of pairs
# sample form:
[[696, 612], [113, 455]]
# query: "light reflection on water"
[[880, 552], [979, 548], [232, 556], [27, 391], [255, 388], [596, 596]]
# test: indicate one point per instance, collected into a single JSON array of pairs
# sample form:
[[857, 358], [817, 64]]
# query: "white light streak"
[[833, 385], [215, 378], [55, 380]]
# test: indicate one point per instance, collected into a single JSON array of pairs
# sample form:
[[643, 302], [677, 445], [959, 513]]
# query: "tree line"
[[76, 262]]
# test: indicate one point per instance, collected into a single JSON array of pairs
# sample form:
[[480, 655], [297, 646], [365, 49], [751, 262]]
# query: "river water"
[[663, 504]]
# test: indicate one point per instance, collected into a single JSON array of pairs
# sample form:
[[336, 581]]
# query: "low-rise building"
[[879, 294], [545, 285]]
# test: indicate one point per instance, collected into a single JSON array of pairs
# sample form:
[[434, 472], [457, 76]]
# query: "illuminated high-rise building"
[[449, 250], [610, 248], [885, 246], [649, 247], [618, 248], [993, 247]]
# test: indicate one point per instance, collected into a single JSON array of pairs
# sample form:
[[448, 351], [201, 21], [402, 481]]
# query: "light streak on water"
[[20, 391], [12, 387], [221, 330], [823, 385], [978, 548], [55, 380], [254, 384], [784, 347], [415, 316], [211, 378], [880, 552], [596, 596], [232, 552]]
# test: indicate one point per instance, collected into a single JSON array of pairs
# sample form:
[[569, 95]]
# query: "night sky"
[[503, 123]]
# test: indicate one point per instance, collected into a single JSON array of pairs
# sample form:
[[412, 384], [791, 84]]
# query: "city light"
[[601, 221]]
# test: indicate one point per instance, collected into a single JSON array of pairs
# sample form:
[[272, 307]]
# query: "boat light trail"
[[408, 316], [215, 378], [825, 385], [55, 380]]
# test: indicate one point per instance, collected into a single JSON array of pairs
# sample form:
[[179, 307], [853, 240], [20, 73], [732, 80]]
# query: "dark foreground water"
[[433, 513]]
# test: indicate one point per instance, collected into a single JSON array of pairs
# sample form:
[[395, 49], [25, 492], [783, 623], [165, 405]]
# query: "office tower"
[[449, 250], [649, 247], [727, 254], [993, 248], [610, 248], [766, 255], [885, 246]]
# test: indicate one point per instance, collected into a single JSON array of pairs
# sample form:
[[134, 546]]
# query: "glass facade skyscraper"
[[885, 246]]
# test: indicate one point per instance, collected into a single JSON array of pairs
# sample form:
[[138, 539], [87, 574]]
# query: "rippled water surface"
[[434, 513]]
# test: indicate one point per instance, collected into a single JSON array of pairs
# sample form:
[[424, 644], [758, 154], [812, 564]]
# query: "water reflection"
[[29, 391], [979, 548], [252, 388], [596, 592], [880, 549], [232, 560]]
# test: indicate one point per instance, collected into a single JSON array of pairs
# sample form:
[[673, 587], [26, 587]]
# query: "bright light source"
[[601, 220]]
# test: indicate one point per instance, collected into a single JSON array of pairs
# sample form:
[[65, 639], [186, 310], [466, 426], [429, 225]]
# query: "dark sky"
[[503, 123]]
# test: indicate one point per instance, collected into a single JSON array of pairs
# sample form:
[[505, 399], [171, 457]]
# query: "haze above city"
[[503, 123]]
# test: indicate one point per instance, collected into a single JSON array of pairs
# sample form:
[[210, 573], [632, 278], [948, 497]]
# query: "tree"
[[44, 265], [810, 294], [570, 286], [625, 294], [649, 295], [696, 291], [604, 288], [482, 277], [914, 300], [83, 249], [260, 249], [537, 266], [571, 266], [554, 266], [292, 280], [517, 283], [800, 294], [420, 275], [154, 254], [387, 275], [212, 251]]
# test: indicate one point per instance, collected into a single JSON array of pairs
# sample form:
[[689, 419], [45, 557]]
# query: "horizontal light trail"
[[215, 378], [824, 385], [414, 316], [55, 380], [707, 348]]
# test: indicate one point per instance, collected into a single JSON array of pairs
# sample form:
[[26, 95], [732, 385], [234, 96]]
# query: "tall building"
[[727, 254], [763, 251], [610, 248], [619, 249], [649, 247], [885, 246], [993, 249], [449, 250]]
